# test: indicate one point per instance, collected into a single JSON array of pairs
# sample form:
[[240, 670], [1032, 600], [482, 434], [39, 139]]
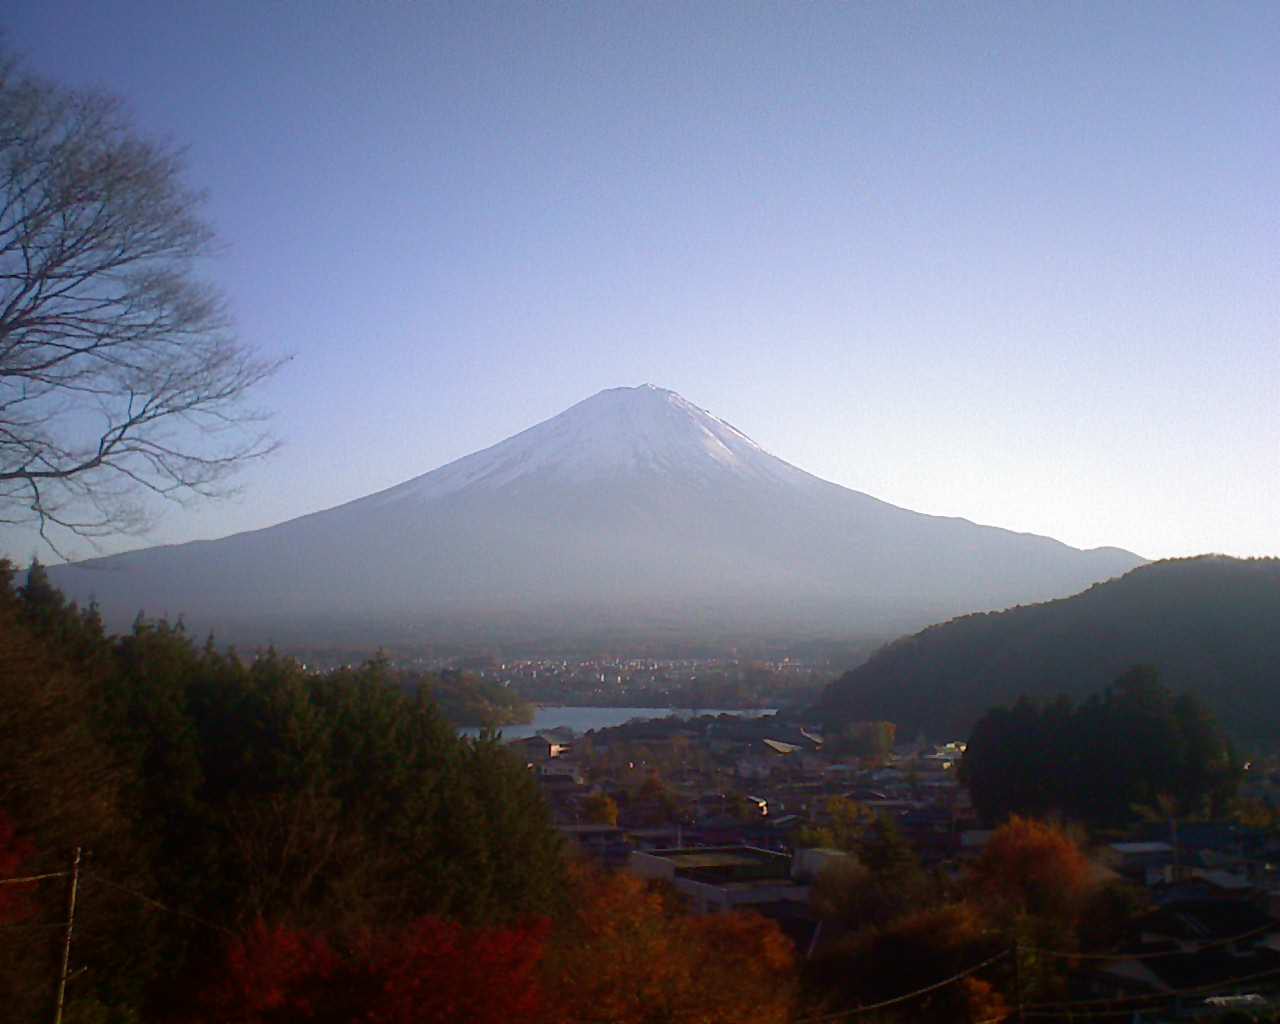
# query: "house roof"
[[1225, 880], [727, 864], [1138, 849], [538, 739]]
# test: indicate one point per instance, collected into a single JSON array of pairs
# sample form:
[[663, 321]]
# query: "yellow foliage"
[[1036, 867], [630, 956]]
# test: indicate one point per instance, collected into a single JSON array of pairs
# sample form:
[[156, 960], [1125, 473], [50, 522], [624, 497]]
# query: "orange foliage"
[[599, 809], [982, 1001], [1036, 867], [741, 969], [630, 956]]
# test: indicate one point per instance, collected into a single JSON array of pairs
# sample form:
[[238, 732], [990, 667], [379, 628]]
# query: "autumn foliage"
[[273, 974], [433, 970], [627, 955], [630, 955], [1036, 868], [436, 970], [600, 809]]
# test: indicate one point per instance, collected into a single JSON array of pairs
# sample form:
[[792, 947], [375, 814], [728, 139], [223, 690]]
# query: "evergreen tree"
[[230, 792], [1135, 745]]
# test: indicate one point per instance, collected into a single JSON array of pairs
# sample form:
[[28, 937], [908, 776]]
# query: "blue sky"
[[1017, 263]]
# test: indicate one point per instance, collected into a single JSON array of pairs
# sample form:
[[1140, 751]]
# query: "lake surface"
[[581, 719]]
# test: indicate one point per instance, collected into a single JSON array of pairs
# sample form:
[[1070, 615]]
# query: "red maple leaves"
[[432, 970], [624, 953]]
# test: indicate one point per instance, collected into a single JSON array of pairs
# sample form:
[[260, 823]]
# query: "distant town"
[[772, 816], [644, 682], [606, 681]]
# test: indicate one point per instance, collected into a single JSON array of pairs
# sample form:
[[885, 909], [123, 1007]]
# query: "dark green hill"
[[1210, 625]]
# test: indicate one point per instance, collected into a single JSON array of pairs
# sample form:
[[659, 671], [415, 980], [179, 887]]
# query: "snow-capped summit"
[[644, 430], [633, 509]]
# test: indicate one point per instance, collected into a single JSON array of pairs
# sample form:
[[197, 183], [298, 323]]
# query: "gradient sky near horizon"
[[1016, 263]]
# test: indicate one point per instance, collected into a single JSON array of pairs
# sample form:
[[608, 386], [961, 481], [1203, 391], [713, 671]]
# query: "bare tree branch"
[[119, 372]]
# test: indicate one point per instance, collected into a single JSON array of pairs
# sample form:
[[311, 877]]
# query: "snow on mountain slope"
[[633, 507], [643, 430]]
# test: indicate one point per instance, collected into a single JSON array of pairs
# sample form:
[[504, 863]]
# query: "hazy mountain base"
[[752, 570]]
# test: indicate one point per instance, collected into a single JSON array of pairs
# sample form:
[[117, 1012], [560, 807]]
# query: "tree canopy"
[[230, 791], [1134, 744]]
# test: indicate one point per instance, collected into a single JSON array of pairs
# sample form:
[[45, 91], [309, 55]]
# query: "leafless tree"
[[119, 371]]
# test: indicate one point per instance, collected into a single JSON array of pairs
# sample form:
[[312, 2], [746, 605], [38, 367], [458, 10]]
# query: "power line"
[[27, 879], [1207, 987], [33, 924], [1062, 954], [1152, 1001], [114, 885], [34, 878], [158, 905], [859, 1010], [1042, 1009]]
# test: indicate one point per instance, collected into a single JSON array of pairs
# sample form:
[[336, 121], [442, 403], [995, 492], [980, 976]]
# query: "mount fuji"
[[632, 510]]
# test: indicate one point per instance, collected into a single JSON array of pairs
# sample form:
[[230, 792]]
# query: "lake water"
[[581, 719]]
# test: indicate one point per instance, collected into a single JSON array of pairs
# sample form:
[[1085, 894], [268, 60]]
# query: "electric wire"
[[34, 878], [858, 1010], [94, 876], [1209, 986], [1062, 954], [1050, 1009]]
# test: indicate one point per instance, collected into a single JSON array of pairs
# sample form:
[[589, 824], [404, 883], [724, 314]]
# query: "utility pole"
[[1017, 976], [66, 940]]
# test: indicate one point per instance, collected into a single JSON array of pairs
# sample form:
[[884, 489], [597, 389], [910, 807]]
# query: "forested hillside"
[[231, 792], [465, 699], [1209, 625], [254, 844]]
